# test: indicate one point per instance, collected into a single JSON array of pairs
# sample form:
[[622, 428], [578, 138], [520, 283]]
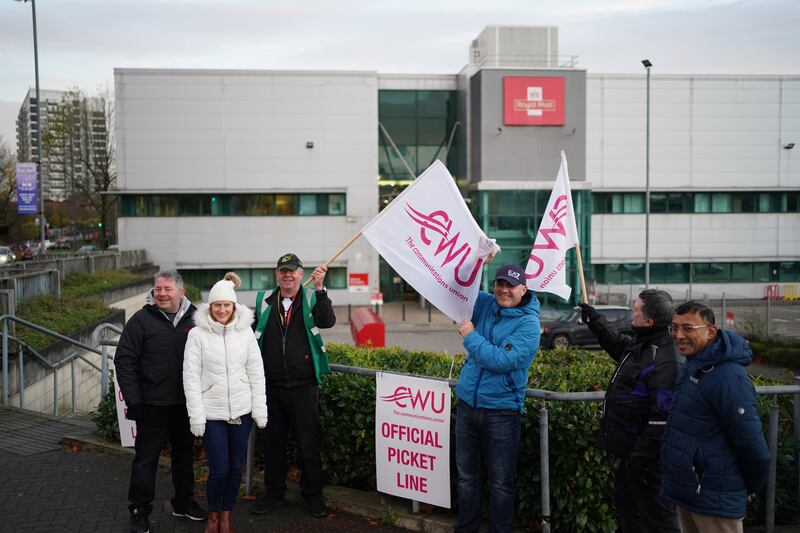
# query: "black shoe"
[[317, 505], [266, 504], [140, 522], [193, 512]]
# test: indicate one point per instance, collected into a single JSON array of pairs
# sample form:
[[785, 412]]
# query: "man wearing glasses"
[[713, 456], [635, 411]]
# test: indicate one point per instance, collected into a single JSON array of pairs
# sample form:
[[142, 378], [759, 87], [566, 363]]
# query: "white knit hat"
[[223, 290]]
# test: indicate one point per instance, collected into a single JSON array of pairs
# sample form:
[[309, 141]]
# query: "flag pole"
[[368, 224], [580, 271], [337, 254]]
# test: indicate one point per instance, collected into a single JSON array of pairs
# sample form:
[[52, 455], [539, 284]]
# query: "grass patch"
[[62, 316], [81, 284]]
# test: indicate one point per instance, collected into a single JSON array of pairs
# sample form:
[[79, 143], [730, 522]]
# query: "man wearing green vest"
[[287, 328]]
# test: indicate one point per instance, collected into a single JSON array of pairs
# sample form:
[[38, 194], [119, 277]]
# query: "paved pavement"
[[46, 488], [76, 491]]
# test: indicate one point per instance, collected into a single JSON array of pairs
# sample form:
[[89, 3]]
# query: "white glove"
[[261, 422], [198, 429]]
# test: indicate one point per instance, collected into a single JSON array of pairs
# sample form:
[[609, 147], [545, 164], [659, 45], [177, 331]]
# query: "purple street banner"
[[26, 189]]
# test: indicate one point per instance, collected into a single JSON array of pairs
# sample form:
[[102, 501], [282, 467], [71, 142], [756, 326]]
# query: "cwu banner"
[[429, 237], [27, 201], [412, 438], [558, 232]]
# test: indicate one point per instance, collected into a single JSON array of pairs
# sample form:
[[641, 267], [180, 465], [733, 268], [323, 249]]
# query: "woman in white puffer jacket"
[[223, 378]]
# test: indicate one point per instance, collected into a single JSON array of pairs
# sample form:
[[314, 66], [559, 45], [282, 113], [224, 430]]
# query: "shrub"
[[777, 353], [580, 473], [106, 415]]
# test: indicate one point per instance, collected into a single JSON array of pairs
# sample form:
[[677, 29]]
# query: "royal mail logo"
[[418, 400], [440, 223], [533, 101]]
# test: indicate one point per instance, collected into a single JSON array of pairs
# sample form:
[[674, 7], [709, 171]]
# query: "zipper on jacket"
[[604, 426], [227, 370]]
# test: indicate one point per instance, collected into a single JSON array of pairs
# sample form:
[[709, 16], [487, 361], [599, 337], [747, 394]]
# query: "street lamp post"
[[40, 113], [647, 64]]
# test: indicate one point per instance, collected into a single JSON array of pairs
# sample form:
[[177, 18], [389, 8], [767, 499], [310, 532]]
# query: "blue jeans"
[[490, 438], [226, 447]]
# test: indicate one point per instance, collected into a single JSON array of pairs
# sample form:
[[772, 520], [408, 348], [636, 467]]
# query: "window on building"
[[721, 202], [743, 202], [188, 205], [256, 279], [742, 272], [712, 272]]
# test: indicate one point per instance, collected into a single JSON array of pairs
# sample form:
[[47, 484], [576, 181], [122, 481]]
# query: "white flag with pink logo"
[[429, 237], [558, 232]]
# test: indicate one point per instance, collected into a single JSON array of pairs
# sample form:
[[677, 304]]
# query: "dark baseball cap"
[[290, 261], [512, 273]]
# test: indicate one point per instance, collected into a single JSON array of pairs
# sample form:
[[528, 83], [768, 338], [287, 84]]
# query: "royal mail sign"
[[533, 101]]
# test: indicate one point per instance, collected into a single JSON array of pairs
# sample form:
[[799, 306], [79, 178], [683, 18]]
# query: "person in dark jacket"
[[713, 455], [501, 342], [287, 328], [637, 403], [149, 367]]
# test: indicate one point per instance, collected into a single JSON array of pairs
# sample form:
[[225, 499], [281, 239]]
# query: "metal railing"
[[43, 361], [544, 440], [595, 396]]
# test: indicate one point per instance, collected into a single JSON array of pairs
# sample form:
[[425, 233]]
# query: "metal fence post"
[[5, 363], [724, 313], [797, 437], [21, 372], [72, 372], [104, 373], [773, 464], [544, 462], [55, 391], [769, 317]]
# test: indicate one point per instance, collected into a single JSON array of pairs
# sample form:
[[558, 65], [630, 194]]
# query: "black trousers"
[[639, 510], [152, 432], [294, 409]]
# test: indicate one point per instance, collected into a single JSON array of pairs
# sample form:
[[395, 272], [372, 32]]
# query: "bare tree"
[[8, 187], [80, 142]]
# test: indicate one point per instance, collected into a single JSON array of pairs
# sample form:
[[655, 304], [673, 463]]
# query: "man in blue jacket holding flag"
[[501, 341], [713, 453]]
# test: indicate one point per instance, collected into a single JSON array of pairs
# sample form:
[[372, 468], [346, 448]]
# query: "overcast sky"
[[82, 41]]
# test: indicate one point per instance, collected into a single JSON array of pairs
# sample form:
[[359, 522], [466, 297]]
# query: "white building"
[[223, 170], [230, 169], [62, 153]]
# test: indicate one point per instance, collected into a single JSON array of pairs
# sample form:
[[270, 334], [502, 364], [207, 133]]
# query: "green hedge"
[[777, 353], [580, 473]]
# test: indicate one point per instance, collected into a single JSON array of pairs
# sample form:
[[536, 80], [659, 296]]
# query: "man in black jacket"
[[287, 328], [635, 412], [149, 367]]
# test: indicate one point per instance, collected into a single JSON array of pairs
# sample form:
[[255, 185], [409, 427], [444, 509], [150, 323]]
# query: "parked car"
[[570, 331], [30, 252], [87, 249], [6, 255]]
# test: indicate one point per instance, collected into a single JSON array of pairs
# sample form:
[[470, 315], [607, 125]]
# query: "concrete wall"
[[184, 131], [524, 153], [707, 132]]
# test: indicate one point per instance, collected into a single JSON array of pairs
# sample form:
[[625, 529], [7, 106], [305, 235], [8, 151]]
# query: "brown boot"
[[225, 525], [212, 524]]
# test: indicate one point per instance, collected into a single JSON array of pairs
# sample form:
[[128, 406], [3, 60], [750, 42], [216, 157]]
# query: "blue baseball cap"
[[511, 273]]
